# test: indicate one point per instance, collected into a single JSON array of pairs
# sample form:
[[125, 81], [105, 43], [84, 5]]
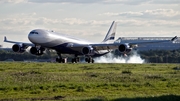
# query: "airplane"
[[65, 44]]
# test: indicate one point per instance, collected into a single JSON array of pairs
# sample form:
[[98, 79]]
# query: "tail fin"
[[110, 36]]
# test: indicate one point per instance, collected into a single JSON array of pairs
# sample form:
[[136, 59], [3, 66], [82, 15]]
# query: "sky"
[[89, 19]]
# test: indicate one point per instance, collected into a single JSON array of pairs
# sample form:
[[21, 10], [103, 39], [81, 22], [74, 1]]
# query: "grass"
[[97, 82]]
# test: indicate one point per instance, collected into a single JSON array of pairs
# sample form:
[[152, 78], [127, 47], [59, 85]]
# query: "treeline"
[[151, 56], [5, 55], [161, 56]]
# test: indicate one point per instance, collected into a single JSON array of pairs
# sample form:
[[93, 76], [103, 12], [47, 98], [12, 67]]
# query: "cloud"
[[52, 1], [66, 1], [162, 13], [165, 2], [148, 23], [32, 20], [151, 14], [123, 2], [151, 33], [42, 21], [126, 2], [12, 1], [130, 13]]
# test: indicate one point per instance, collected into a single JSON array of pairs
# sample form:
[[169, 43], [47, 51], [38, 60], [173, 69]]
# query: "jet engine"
[[87, 50], [20, 48], [124, 48], [37, 51]]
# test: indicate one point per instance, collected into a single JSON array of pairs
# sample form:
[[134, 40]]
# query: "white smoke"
[[111, 58]]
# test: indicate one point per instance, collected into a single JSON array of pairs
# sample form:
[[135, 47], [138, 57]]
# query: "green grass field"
[[97, 82]]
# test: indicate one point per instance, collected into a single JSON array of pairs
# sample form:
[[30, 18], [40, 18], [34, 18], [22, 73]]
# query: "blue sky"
[[89, 19]]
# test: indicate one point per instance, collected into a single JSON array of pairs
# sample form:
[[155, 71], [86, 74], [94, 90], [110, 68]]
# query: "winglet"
[[5, 39], [174, 38]]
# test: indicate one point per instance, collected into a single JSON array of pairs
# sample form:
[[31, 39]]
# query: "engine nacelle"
[[87, 50], [33, 50], [18, 48], [124, 48], [36, 51]]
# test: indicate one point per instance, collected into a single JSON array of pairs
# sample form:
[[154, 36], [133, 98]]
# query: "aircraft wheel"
[[77, 59], [92, 60], [73, 60], [57, 60], [63, 60], [89, 60], [60, 60], [86, 59]]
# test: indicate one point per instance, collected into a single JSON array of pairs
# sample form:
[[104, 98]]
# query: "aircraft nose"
[[33, 37], [38, 37]]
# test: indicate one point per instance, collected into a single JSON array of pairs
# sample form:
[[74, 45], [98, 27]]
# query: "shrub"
[[80, 89], [126, 72]]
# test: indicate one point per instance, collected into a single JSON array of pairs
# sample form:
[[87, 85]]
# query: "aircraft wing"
[[112, 46], [131, 44], [26, 44], [104, 46], [153, 41]]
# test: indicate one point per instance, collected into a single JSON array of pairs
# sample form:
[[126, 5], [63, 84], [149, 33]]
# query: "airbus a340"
[[64, 44]]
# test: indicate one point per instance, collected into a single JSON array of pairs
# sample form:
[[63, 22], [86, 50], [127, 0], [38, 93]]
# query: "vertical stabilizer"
[[110, 36]]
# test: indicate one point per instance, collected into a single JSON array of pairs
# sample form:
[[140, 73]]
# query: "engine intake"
[[18, 48], [36, 51], [87, 50], [33, 50], [124, 48]]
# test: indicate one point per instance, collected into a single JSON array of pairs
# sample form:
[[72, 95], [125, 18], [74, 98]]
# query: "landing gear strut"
[[60, 59], [75, 60], [89, 60]]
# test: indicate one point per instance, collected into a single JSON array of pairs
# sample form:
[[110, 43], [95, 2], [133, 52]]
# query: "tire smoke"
[[111, 58]]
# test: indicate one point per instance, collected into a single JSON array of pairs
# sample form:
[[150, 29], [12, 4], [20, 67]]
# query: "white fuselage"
[[51, 39], [62, 43]]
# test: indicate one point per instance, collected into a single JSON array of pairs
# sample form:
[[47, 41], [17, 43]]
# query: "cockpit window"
[[33, 32]]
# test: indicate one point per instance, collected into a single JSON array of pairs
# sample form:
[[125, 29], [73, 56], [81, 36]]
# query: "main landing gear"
[[60, 59], [64, 60], [89, 60], [76, 59]]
